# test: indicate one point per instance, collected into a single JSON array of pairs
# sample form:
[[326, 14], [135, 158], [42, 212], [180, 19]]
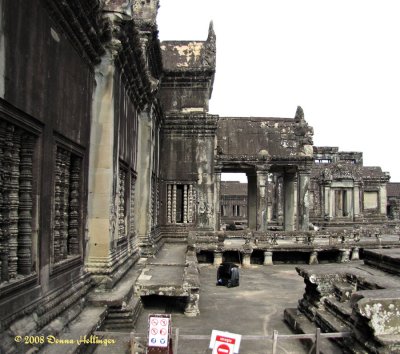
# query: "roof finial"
[[211, 33], [210, 48], [299, 114]]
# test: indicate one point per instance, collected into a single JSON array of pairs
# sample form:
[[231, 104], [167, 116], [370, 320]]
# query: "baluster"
[[3, 240], [57, 207], [169, 203], [14, 203], [65, 204], [25, 206], [74, 206], [121, 209]]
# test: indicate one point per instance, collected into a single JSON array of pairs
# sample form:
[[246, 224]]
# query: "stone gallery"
[[110, 161]]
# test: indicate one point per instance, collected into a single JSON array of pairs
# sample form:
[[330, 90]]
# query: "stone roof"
[[233, 188], [372, 172], [393, 189], [183, 55]]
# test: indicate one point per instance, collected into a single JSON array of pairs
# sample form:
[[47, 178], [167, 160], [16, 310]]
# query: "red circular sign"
[[223, 349]]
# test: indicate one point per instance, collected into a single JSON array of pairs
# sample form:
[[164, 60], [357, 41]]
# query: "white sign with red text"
[[158, 331], [225, 342]]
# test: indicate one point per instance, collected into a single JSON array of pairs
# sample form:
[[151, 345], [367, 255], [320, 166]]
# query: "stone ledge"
[[121, 293], [84, 325], [300, 324]]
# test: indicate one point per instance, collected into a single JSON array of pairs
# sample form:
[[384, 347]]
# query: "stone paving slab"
[[161, 275], [254, 308], [170, 254], [164, 274]]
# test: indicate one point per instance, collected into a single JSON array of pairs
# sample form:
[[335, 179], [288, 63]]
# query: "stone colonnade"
[[344, 255], [290, 201]]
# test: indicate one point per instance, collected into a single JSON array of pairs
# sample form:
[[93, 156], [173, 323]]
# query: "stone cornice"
[[80, 22], [194, 124]]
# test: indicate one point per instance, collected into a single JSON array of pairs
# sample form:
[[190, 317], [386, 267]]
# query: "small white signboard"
[[158, 331], [224, 342]]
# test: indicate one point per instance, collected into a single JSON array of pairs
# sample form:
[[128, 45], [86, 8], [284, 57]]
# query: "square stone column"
[[356, 200], [268, 258], [289, 201], [262, 200], [217, 199], [327, 201], [144, 180], [303, 205], [217, 258], [382, 199], [252, 201], [350, 202], [103, 166]]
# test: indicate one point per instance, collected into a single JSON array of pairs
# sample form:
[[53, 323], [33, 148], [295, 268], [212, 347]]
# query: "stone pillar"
[[332, 206], [262, 200], [144, 182], [252, 201], [349, 203], [289, 201], [217, 258], [268, 258], [217, 199], [356, 200], [279, 200], [103, 171], [192, 306], [246, 260], [313, 258], [355, 256], [344, 256], [382, 199], [327, 202], [303, 204]]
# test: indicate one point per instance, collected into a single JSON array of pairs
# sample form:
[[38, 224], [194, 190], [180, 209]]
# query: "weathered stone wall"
[[271, 138], [45, 114], [74, 80], [44, 74]]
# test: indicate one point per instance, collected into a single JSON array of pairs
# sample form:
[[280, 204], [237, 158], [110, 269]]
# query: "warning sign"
[[225, 342], [159, 331]]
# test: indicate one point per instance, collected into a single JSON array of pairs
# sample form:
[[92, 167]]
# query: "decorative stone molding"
[[16, 155], [66, 231]]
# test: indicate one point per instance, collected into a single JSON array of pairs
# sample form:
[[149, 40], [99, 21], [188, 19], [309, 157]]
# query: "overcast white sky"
[[338, 59]]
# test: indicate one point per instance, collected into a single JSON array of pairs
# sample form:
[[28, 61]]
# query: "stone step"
[[124, 318], [121, 301], [343, 291], [78, 337], [301, 324], [342, 310], [328, 322]]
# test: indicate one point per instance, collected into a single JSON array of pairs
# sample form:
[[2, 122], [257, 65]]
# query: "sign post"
[[224, 342], [159, 334]]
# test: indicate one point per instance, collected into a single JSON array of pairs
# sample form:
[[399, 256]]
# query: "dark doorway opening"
[[290, 257], [165, 304], [205, 257], [257, 257], [232, 256], [328, 256]]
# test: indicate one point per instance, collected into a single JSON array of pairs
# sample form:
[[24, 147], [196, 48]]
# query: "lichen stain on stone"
[[382, 321], [192, 52]]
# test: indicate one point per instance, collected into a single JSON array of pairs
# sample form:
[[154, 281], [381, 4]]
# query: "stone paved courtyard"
[[254, 308]]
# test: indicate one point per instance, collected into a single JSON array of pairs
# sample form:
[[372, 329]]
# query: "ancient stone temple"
[[110, 168]]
